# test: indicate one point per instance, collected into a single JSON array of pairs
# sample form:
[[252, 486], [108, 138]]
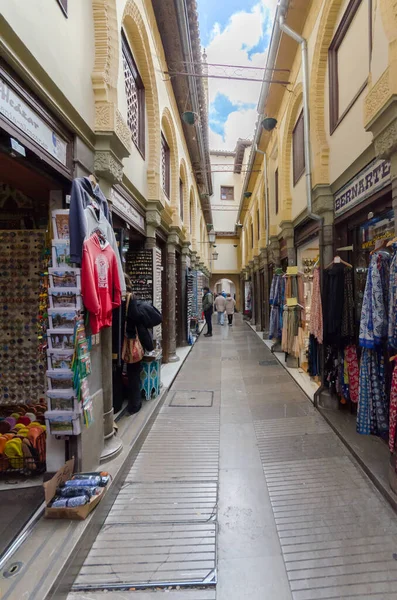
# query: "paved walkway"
[[242, 484]]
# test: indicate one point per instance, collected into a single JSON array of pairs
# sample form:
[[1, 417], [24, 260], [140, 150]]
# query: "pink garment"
[[316, 312]]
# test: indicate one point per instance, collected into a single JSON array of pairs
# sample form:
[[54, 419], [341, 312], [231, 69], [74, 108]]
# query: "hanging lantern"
[[189, 117], [269, 123], [215, 255]]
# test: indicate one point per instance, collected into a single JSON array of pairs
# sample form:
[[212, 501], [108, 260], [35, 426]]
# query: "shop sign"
[[370, 180], [127, 210], [13, 108]]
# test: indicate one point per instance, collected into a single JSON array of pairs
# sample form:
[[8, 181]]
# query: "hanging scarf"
[[316, 311], [392, 329], [372, 410], [374, 313], [393, 411], [348, 332]]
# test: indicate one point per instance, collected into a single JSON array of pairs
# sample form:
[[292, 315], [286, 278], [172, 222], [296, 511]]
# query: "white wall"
[[224, 212], [64, 47]]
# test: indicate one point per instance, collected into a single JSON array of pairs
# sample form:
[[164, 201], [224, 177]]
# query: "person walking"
[[230, 307], [208, 308], [220, 305]]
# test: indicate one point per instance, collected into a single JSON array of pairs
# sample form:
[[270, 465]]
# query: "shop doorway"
[[28, 192]]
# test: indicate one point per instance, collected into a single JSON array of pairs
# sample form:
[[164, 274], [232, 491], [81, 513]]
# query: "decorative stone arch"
[[184, 179], [286, 150], [134, 26], [169, 132], [234, 278], [320, 147], [106, 63]]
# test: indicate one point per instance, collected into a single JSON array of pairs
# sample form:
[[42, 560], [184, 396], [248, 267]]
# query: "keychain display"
[[140, 270], [24, 291]]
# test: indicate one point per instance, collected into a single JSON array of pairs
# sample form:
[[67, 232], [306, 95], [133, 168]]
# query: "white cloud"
[[231, 46], [240, 124]]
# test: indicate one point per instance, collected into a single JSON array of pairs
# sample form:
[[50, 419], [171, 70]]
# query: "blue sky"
[[211, 12], [235, 32]]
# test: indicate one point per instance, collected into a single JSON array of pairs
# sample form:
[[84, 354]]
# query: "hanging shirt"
[[96, 220], [82, 195], [100, 284]]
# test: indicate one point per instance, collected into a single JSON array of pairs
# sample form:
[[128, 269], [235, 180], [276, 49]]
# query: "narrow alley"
[[242, 491]]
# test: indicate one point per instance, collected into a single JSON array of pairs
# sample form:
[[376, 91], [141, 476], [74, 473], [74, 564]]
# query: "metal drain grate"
[[158, 555], [192, 399], [235, 358]]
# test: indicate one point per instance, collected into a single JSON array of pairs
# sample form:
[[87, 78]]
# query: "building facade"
[[322, 179]]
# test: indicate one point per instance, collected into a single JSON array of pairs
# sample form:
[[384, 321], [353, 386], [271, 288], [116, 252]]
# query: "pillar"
[[274, 251], [109, 171], [258, 295], [172, 242], [153, 222], [185, 256], [266, 286], [287, 233], [323, 205], [253, 291]]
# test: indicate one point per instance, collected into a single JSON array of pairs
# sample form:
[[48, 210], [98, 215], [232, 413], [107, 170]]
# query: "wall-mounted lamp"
[[215, 255], [247, 194], [212, 237], [269, 123], [189, 117], [235, 245]]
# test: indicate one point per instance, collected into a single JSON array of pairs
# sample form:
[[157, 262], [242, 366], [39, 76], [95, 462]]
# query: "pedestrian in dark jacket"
[[141, 317], [208, 309]]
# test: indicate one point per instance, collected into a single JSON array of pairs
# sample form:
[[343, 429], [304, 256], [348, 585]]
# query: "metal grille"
[[165, 166], [132, 93]]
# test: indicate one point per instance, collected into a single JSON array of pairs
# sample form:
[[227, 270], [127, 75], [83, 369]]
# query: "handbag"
[[132, 351]]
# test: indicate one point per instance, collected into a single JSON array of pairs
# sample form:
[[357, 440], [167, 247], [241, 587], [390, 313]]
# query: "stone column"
[[153, 222], [253, 291], [265, 299], [172, 242], [287, 232], [110, 171], [185, 254], [274, 251], [323, 205], [258, 300]]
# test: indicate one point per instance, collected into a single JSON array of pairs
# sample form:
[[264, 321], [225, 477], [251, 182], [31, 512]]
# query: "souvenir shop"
[[359, 328], [295, 303], [35, 175], [306, 238]]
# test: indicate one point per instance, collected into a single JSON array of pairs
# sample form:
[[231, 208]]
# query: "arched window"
[[135, 93]]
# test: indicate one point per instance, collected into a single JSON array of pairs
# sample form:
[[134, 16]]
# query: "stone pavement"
[[242, 490]]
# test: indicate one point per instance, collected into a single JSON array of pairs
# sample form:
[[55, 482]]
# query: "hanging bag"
[[132, 351]]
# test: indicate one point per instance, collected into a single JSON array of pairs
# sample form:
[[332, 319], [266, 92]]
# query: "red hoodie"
[[100, 283]]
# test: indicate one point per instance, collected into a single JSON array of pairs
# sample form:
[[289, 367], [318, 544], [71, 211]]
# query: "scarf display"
[[375, 310], [277, 292], [316, 311], [373, 401]]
